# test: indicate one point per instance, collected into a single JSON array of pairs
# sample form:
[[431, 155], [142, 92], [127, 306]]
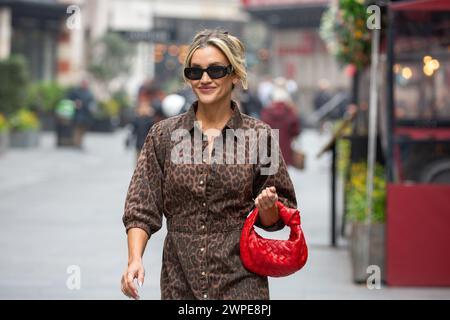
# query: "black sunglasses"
[[214, 72]]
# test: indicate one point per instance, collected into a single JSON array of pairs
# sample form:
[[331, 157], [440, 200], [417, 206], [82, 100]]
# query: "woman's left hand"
[[266, 204], [266, 199]]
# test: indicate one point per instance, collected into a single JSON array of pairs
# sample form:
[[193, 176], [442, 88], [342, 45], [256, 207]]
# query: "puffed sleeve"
[[144, 202], [278, 176]]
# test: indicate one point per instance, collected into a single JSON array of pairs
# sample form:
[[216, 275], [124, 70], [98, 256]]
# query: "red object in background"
[[281, 116], [350, 70], [418, 235], [428, 5], [290, 70], [63, 66], [424, 133]]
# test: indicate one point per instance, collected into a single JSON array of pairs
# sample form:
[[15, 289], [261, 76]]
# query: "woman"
[[205, 203]]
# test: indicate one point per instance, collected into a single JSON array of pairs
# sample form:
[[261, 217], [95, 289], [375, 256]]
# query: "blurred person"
[[144, 119], [206, 204], [265, 88], [250, 103], [84, 104], [322, 94], [151, 96], [281, 114], [292, 88]]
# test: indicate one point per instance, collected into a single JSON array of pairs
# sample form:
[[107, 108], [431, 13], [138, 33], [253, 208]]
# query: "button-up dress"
[[206, 200]]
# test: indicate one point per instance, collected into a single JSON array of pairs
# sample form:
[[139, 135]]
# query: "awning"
[[419, 5], [49, 9], [286, 14]]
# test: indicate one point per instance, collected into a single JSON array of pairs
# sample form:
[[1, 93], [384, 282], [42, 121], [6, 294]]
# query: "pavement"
[[61, 234]]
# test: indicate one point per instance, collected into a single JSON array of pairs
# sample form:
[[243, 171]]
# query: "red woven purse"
[[274, 258]]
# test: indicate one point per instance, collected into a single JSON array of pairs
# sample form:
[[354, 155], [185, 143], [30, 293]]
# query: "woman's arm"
[[275, 186], [137, 241], [143, 210]]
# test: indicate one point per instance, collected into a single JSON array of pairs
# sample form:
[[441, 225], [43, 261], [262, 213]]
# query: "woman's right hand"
[[135, 270]]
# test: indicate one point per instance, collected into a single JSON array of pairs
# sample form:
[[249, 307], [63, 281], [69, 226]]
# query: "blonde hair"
[[230, 46]]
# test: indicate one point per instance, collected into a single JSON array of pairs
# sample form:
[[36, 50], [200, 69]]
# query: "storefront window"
[[422, 66]]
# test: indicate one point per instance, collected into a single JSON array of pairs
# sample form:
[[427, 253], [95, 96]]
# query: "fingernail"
[[140, 284]]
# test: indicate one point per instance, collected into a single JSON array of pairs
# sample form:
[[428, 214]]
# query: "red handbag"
[[269, 257]]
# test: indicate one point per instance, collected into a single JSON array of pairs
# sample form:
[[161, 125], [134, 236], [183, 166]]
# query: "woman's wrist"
[[269, 216], [134, 259]]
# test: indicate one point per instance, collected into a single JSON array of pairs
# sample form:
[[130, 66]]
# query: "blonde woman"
[[205, 199]]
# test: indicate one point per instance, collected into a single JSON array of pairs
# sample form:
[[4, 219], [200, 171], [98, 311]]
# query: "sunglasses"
[[214, 72]]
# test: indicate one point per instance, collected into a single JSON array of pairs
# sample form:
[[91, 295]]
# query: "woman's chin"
[[207, 99]]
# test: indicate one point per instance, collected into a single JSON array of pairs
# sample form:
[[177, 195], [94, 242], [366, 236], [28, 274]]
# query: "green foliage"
[[3, 123], [357, 195], [110, 57], [108, 109], [44, 96], [343, 28], [122, 98], [13, 82], [24, 120]]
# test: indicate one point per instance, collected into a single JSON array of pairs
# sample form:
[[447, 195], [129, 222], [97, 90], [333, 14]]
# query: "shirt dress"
[[205, 202]]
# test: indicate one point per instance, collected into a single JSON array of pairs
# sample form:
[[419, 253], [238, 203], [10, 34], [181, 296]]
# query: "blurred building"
[[296, 49], [57, 49], [33, 29]]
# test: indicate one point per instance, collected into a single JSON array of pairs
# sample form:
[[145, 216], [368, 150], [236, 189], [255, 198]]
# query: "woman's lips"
[[206, 89]]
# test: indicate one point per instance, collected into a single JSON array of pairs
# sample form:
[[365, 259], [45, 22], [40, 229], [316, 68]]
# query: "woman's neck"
[[215, 115]]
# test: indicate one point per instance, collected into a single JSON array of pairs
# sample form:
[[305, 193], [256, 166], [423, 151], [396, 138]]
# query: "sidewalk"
[[63, 207]]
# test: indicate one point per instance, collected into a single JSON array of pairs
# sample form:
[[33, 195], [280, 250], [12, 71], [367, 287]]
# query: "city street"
[[62, 207]]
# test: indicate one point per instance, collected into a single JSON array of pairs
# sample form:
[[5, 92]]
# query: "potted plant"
[[365, 253], [4, 136], [43, 97], [24, 129], [106, 117]]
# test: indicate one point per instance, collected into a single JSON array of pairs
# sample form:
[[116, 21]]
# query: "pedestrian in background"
[[84, 104], [150, 96], [140, 126], [282, 115]]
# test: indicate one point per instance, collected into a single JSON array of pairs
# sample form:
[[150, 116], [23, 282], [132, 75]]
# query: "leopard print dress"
[[205, 203]]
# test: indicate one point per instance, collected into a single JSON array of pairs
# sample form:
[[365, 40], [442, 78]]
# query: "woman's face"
[[207, 90]]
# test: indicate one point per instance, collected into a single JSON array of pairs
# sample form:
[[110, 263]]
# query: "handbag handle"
[[290, 217]]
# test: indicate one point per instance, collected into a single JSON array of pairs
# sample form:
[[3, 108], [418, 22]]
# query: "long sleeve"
[[144, 201], [280, 179]]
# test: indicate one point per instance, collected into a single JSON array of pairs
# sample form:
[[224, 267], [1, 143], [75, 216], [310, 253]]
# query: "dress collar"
[[234, 122]]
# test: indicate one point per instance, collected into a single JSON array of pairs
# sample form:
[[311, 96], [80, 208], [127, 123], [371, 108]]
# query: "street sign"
[[154, 35]]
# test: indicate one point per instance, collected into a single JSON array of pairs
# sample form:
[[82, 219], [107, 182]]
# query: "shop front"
[[417, 135]]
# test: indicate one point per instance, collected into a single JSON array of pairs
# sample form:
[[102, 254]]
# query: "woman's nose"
[[205, 77]]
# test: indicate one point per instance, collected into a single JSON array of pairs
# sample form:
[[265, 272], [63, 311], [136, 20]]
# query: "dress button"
[[201, 181], [205, 296], [203, 273], [203, 227], [204, 204], [202, 249]]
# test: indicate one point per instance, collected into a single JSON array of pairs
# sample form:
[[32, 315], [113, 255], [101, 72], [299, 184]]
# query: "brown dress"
[[206, 204]]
